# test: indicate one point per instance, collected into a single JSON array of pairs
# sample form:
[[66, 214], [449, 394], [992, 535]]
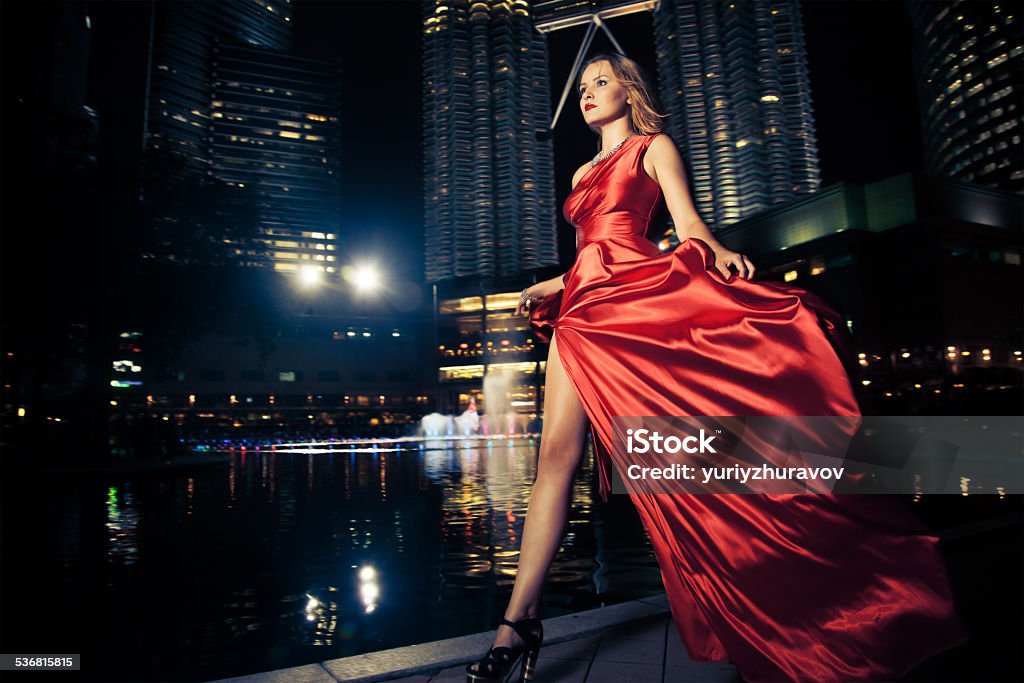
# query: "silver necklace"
[[601, 156]]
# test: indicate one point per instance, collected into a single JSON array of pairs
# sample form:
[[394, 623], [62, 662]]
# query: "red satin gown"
[[797, 587]]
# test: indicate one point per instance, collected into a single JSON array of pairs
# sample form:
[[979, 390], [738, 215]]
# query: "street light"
[[365, 278], [310, 276]]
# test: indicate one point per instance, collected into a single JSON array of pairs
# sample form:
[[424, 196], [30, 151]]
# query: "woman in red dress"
[[788, 587]]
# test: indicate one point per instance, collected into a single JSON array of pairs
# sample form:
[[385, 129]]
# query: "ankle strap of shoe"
[[530, 630]]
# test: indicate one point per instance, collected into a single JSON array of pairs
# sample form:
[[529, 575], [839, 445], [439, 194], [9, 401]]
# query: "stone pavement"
[[633, 641]]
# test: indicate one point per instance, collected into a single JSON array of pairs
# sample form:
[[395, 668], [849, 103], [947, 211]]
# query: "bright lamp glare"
[[366, 278], [310, 275]]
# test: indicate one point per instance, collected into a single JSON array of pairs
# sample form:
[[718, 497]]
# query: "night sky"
[[861, 84]]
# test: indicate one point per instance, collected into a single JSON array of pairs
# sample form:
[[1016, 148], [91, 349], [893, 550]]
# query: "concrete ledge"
[[430, 657]]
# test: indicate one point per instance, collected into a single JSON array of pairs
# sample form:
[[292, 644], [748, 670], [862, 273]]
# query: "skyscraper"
[[274, 129], [733, 75], [969, 59], [182, 37], [227, 101], [488, 164]]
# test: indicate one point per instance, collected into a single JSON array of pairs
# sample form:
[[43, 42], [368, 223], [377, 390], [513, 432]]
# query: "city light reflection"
[[369, 588]]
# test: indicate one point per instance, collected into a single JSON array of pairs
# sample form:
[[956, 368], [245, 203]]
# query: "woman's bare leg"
[[561, 447]]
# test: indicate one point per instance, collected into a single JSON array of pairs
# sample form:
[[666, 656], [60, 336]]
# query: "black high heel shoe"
[[499, 662]]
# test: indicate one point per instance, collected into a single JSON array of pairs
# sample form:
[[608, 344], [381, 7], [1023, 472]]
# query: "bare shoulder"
[[662, 146], [578, 175], [661, 153]]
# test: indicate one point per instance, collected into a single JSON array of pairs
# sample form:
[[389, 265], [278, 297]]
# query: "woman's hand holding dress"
[[537, 293], [725, 258]]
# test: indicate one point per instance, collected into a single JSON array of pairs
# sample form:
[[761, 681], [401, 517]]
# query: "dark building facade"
[[229, 105], [181, 51], [274, 129], [733, 76], [299, 359], [360, 378], [969, 59], [927, 274], [488, 160]]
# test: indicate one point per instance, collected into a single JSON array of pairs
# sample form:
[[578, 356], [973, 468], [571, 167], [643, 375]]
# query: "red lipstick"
[[588, 107]]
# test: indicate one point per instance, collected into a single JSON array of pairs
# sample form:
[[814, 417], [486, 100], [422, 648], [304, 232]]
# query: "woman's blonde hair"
[[644, 109]]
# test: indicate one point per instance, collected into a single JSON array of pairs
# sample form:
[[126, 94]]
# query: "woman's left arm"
[[666, 168]]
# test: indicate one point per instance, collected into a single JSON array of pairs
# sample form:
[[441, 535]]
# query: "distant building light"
[[790, 275]]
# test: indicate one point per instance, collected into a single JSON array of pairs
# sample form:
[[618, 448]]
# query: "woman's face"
[[602, 96]]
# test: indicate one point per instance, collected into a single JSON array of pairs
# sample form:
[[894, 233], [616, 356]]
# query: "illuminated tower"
[[969, 58], [488, 175], [733, 75]]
